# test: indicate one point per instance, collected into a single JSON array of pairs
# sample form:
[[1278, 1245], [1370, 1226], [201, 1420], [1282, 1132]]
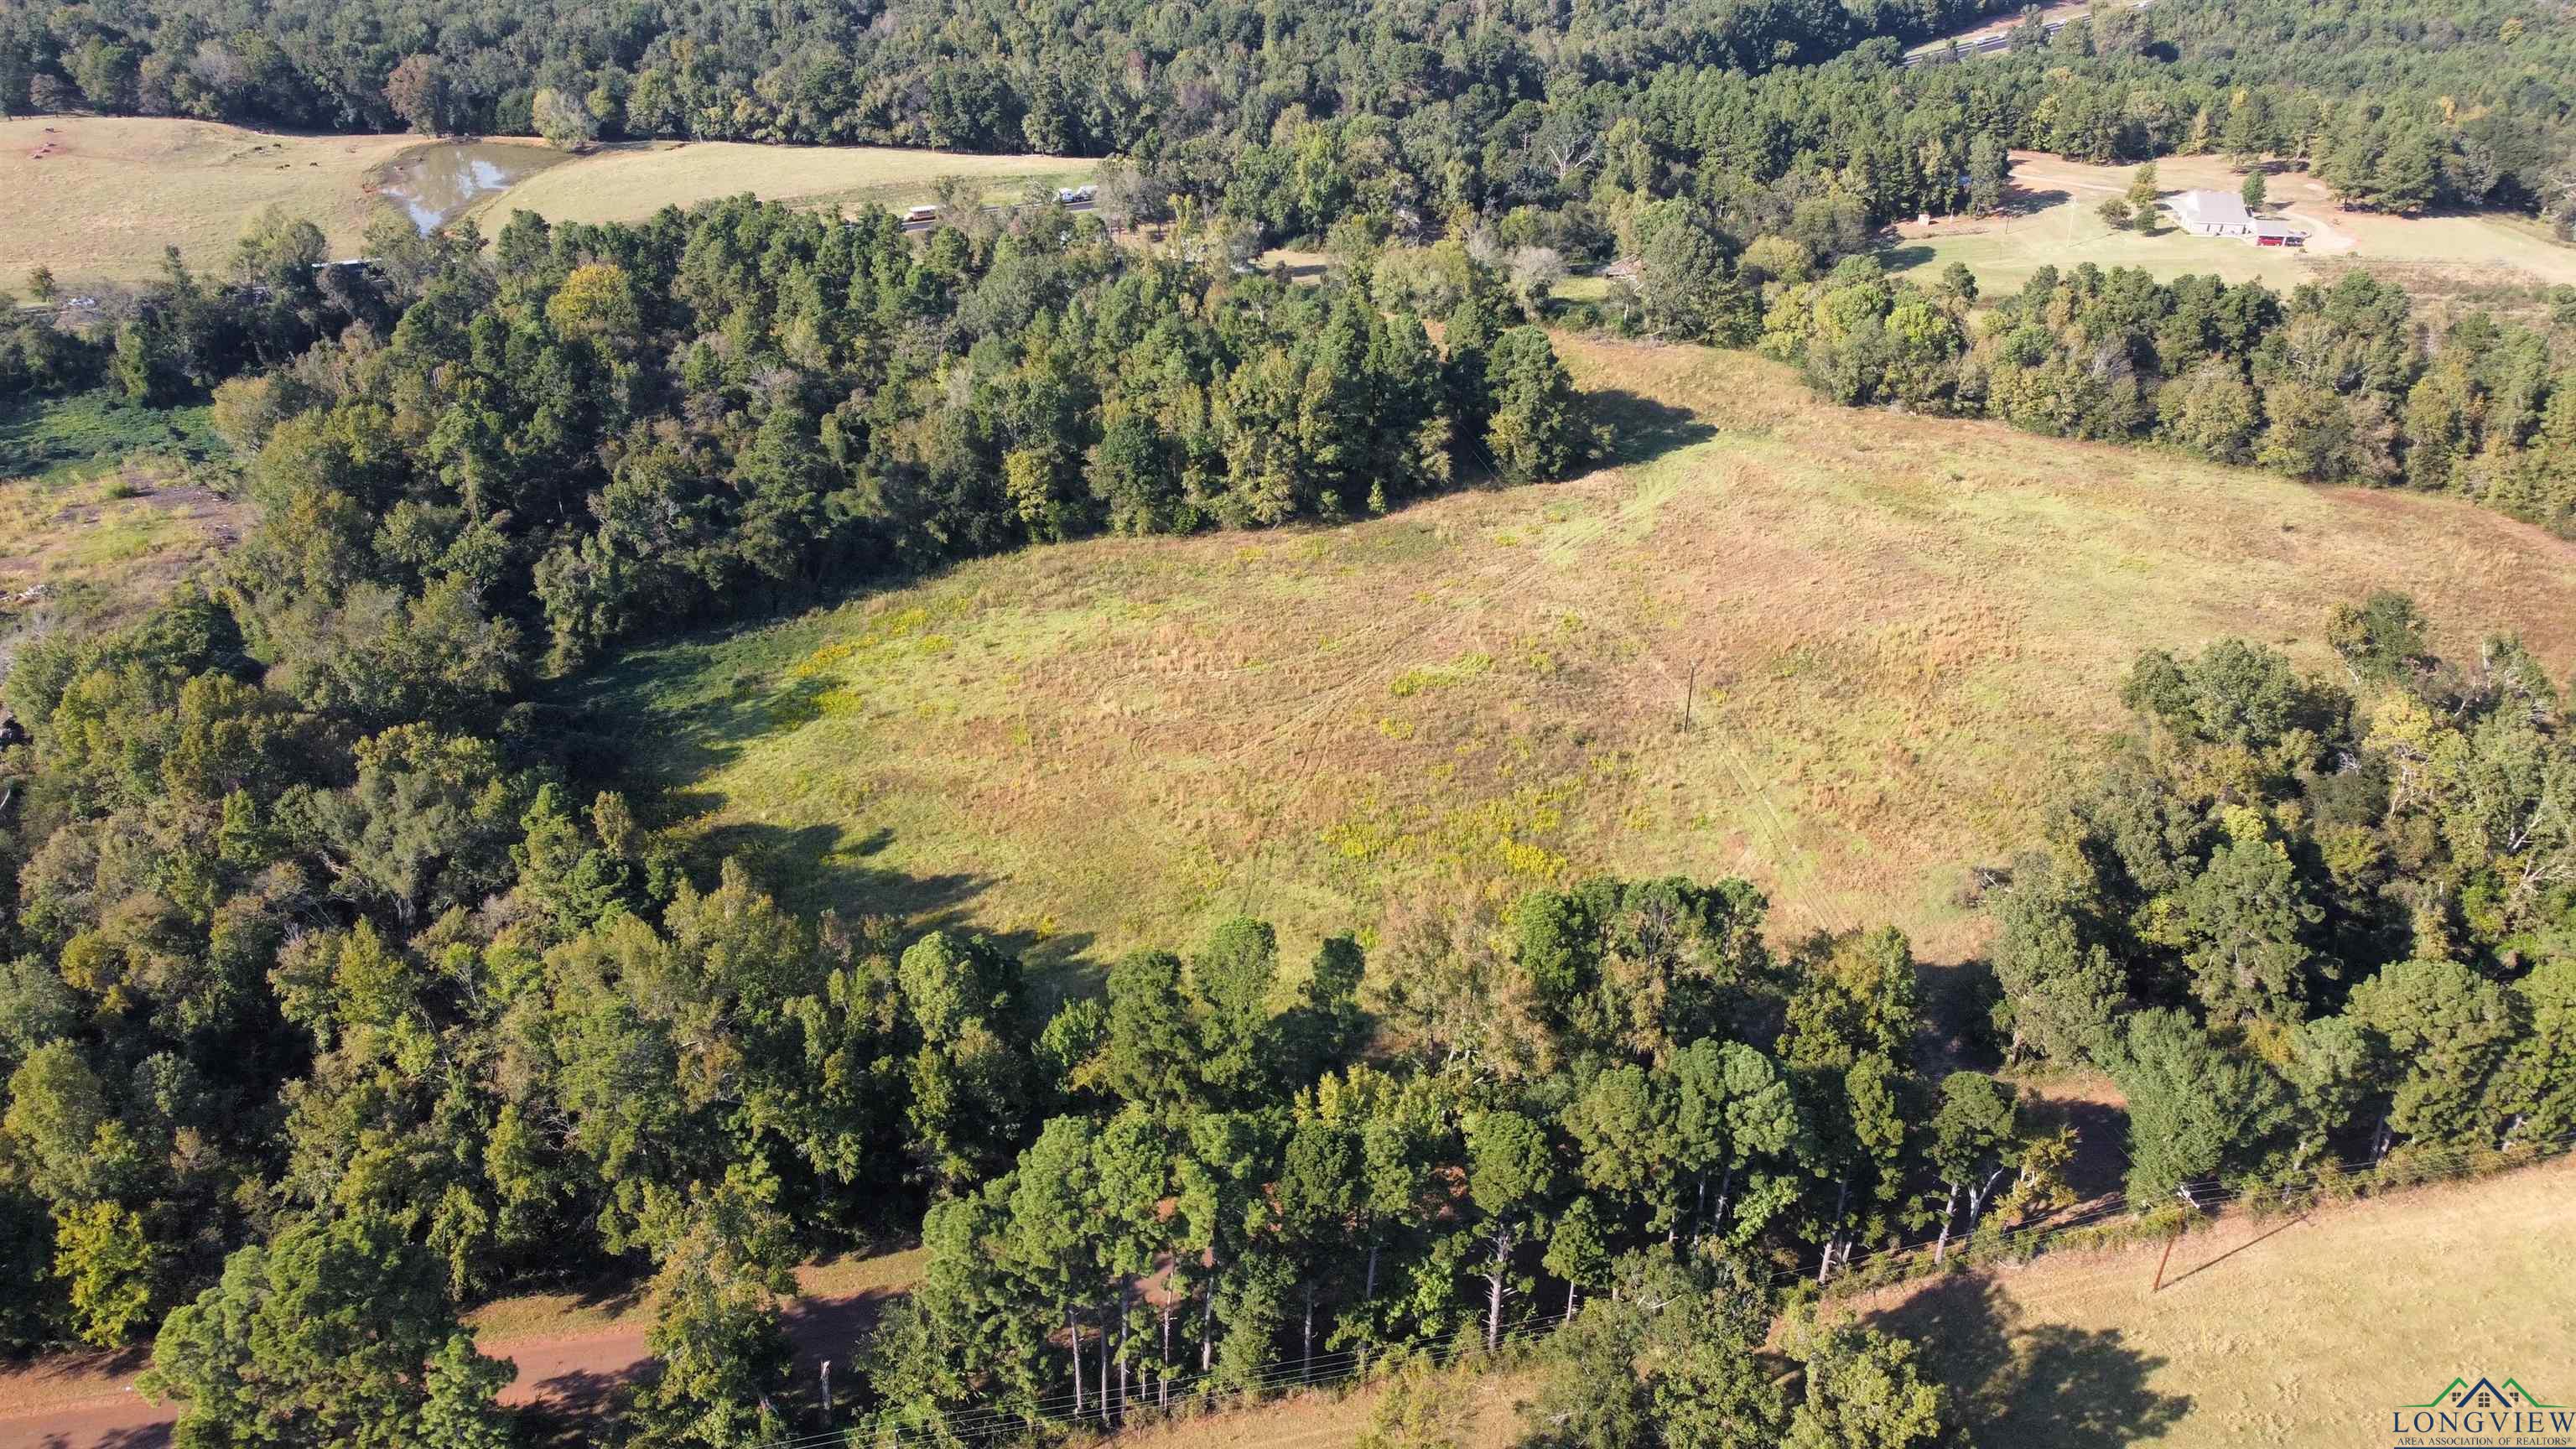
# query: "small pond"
[[435, 183]]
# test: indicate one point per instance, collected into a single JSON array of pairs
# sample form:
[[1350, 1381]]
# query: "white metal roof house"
[[2212, 213]]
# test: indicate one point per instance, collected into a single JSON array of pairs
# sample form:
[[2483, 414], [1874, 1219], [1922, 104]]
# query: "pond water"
[[435, 183]]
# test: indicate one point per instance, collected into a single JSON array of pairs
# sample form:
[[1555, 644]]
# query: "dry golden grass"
[[104, 543], [112, 192], [1898, 629], [625, 183], [2295, 1335], [1324, 1418], [2299, 1337], [108, 194]]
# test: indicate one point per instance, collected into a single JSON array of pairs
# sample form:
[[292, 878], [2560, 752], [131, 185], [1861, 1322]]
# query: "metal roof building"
[[2212, 213]]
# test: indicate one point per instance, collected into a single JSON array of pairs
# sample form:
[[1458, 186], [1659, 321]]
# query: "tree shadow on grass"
[[2033, 1385], [1643, 429], [572, 1409], [825, 867], [629, 707], [2026, 200]]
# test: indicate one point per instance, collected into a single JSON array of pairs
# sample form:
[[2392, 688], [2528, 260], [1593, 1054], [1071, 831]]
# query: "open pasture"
[[1838, 652], [626, 183], [2051, 221], [98, 198], [2297, 1334]]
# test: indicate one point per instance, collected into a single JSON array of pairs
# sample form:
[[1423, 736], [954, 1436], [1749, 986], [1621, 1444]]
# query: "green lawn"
[[2068, 234]]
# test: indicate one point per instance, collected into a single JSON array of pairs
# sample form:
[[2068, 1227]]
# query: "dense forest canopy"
[[2337, 382], [1408, 118], [1128, 76]]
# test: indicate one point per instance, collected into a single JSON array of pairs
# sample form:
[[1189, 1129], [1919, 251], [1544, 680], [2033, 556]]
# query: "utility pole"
[[1690, 692], [2167, 1258], [827, 1393]]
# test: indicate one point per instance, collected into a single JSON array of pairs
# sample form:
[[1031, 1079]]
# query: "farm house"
[[2212, 213]]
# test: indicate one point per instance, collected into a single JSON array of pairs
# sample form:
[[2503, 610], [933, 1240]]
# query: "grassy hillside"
[[98, 198], [1887, 632], [626, 183]]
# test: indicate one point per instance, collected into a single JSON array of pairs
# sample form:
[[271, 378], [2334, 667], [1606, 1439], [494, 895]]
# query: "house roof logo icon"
[[2461, 1393]]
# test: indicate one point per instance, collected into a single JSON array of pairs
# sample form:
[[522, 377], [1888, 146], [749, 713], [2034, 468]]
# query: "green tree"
[[1988, 166], [1233, 978], [1151, 1055], [2246, 919], [2145, 193], [1509, 1178], [2443, 1032], [1536, 431], [563, 120], [1683, 289], [1973, 1142], [2384, 638], [1623, 1124], [1590, 1394], [332, 1333], [144, 366], [110, 1266], [1864, 1390], [1423, 1406], [2196, 1110]]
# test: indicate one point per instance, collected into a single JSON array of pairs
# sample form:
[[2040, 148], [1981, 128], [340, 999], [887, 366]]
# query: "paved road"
[[87, 1402]]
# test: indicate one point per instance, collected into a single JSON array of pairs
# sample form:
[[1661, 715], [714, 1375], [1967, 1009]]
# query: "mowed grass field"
[[2299, 1335], [97, 199], [625, 183], [108, 194], [1887, 633], [2054, 224]]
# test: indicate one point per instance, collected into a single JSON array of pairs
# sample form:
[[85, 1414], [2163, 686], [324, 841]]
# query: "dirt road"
[[88, 1401]]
